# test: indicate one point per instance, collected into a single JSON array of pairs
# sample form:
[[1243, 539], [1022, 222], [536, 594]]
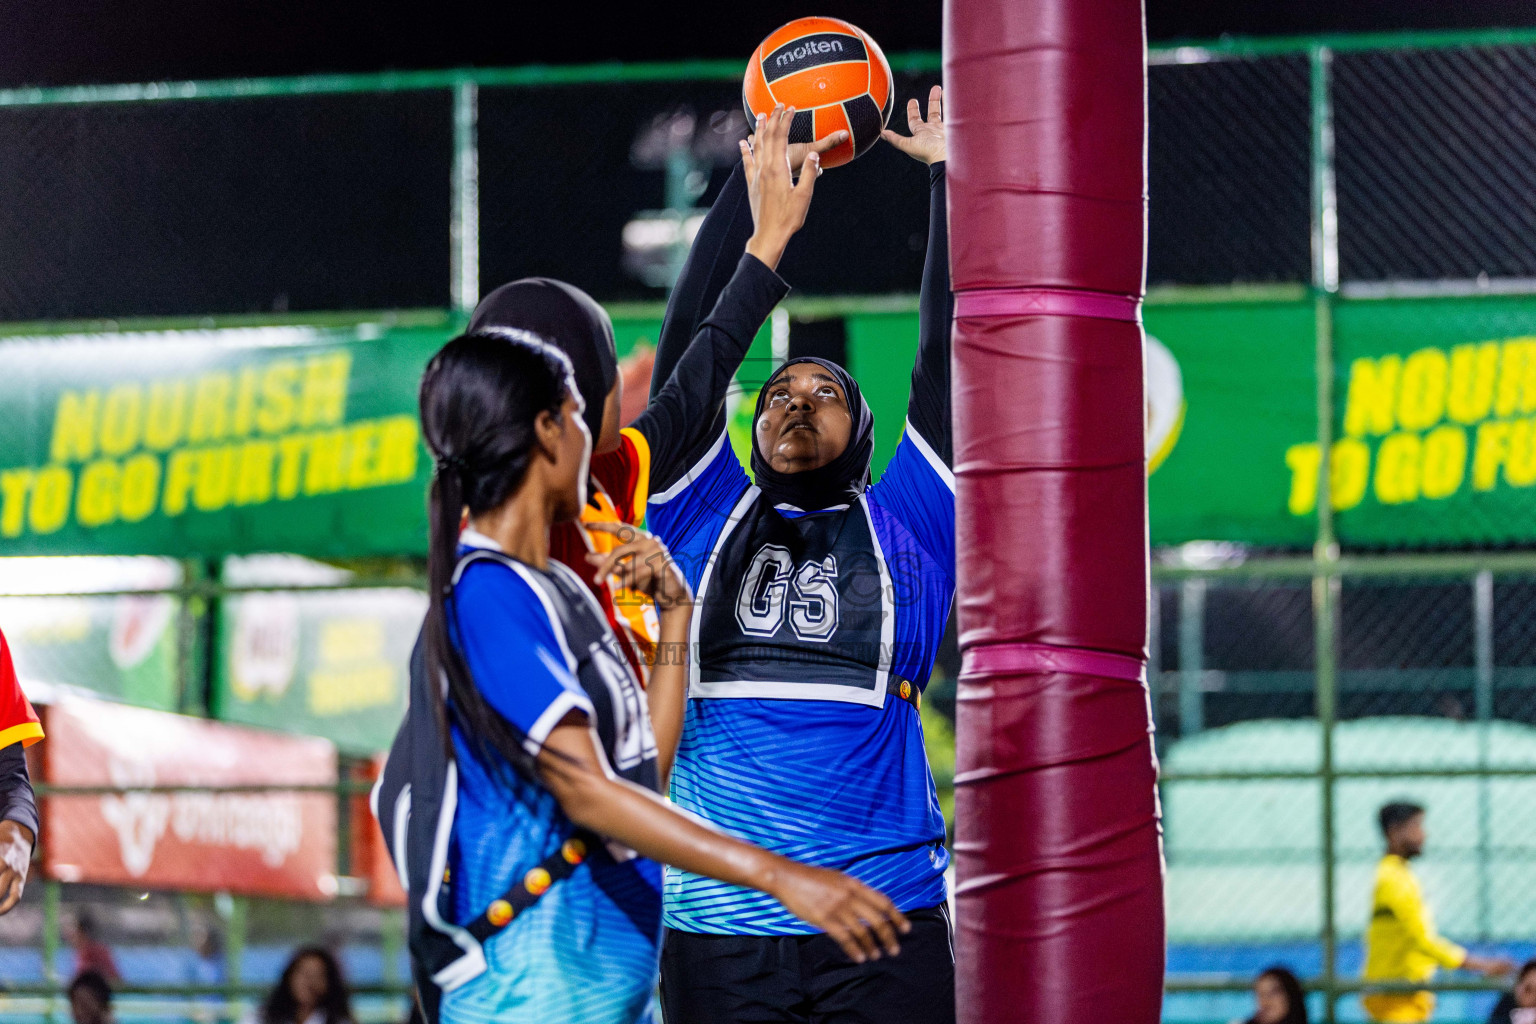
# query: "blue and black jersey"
[[539, 647], [803, 616]]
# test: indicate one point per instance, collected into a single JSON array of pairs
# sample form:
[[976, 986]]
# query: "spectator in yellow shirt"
[[1401, 943]]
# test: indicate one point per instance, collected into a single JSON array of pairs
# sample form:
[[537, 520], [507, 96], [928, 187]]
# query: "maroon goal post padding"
[[1060, 899]]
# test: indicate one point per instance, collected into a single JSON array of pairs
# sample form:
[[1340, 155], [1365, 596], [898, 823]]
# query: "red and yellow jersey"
[[622, 485], [18, 722]]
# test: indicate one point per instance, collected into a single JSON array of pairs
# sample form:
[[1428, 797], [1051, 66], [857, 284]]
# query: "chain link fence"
[[1292, 694]]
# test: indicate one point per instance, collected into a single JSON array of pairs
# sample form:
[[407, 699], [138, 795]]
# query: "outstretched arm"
[[686, 413], [712, 260], [862, 921], [928, 407]]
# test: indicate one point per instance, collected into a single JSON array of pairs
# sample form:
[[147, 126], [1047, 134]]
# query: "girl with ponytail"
[[521, 798]]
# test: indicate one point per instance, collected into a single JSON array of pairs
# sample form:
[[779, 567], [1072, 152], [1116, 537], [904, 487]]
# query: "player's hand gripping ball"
[[834, 76]]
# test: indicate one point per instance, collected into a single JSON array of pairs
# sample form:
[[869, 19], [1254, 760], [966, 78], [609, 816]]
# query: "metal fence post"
[[52, 898], [1325, 283], [1191, 657], [464, 232], [1482, 635]]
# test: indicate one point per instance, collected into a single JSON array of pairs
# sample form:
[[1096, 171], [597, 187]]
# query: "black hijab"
[[840, 481], [566, 317]]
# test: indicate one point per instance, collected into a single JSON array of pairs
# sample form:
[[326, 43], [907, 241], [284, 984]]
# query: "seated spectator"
[[1279, 999], [90, 999], [310, 991], [1522, 998], [92, 956]]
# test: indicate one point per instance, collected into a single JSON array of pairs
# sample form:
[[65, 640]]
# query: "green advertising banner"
[[197, 443], [1436, 438], [304, 440], [1230, 389], [123, 648], [205, 443], [331, 664]]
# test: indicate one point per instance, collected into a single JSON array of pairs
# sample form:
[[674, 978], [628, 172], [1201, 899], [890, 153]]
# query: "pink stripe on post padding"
[[995, 659], [1047, 301]]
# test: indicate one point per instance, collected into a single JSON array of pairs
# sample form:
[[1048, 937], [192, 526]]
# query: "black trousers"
[[807, 979]]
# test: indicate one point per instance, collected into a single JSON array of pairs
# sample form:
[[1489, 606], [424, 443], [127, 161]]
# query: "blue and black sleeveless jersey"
[[539, 647], [802, 617]]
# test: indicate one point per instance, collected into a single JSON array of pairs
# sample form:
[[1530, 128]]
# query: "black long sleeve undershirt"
[[711, 262], [17, 801], [721, 299], [698, 356], [928, 406], [686, 417]]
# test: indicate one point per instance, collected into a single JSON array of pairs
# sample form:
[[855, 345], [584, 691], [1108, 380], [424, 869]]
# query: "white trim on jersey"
[[569, 701], [402, 824], [558, 709], [921, 444], [731, 522], [472, 964], [887, 610], [768, 689], [692, 475], [764, 689]]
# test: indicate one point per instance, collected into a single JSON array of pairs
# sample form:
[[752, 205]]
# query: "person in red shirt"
[[19, 728]]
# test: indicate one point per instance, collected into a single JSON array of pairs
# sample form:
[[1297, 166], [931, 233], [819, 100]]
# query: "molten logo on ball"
[[834, 76]]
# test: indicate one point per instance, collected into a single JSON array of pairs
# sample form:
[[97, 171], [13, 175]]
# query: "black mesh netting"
[[1436, 154], [225, 206], [1228, 172], [559, 180]]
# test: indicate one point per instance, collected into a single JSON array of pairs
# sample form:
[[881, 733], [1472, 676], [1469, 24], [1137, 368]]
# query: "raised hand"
[[641, 563], [926, 143], [798, 151], [779, 203]]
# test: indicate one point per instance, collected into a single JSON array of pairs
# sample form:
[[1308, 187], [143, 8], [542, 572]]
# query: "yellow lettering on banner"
[[1474, 371], [290, 455], [253, 482], [1421, 398], [166, 417], [1517, 377], [325, 389], [14, 486], [122, 419], [1397, 468], [362, 454], [1304, 462], [1489, 451], [215, 478], [323, 474], [245, 402], [178, 482], [74, 427], [50, 499], [210, 407], [275, 412], [140, 486], [1445, 461], [1369, 409], [1520, 463], [96, 503], [399, 443], [1349, 473]]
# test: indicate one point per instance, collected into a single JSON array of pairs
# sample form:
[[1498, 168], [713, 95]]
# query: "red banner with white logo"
[[268, 843], [370, 857]]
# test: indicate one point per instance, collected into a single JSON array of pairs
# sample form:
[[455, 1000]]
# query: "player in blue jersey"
[[821, 601], [519, 801]]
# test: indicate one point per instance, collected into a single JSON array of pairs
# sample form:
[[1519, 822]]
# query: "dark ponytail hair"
[[481, 396]]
